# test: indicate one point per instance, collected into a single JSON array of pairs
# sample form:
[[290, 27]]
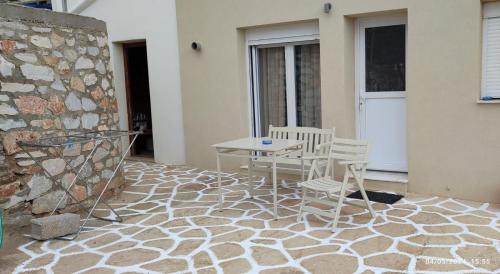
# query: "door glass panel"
[[385, 58], [308, 85], [272, 87]]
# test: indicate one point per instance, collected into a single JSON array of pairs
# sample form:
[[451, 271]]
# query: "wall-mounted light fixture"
[[196, 46], [327, 7]]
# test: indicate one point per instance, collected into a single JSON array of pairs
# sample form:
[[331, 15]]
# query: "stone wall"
[[55, 77]]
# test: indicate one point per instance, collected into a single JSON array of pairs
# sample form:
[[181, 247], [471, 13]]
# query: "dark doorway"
[[138, 98]]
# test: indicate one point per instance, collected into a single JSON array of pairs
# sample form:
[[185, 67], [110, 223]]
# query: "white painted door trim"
[[360, 25]]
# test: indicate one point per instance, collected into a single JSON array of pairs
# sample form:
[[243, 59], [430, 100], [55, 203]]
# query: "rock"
[[38, 184], [4, 32], [34, 72], [97, 93], [58, 85], [67, 179], [26, 57], [12, 201], [79, 192], [100, 67], [88, 104], [107, 173], [41, 41], [77, 84], [89, 120], [6, 67], [6, 109], [43, 89], [6, 124], [73, 103], [16, 87], [86, 171], [90, 79], [54, 166], [55, 226], [31, 104], [9, 189], [13, 25], [4, 98], [37, 154], [56, 40], [105, 83], [10, 139], [40, 29], [71, 123], [70, 42], [70, 55], [94, 51], [51, 60], [102, 41], [72, 150], [56, 105], [48, 202], [63, 68], [99, 154], [10, 45], [83, 63], [77, 161]]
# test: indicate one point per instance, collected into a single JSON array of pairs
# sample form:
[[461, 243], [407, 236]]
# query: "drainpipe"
[[82, 6]]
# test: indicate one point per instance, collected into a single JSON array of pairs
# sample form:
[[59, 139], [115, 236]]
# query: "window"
[[286, 86], [490, 86], [385, 58]]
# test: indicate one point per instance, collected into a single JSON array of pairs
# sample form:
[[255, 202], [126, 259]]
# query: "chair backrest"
[[347, 150], [311, 136]]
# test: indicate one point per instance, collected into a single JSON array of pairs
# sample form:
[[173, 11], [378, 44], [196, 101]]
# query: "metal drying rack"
[[68, 140]]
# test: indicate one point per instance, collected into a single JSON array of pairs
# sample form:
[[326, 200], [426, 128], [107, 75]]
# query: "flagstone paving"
[[172, 225]]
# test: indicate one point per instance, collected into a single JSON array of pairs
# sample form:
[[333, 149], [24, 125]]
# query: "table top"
[[255, 144]]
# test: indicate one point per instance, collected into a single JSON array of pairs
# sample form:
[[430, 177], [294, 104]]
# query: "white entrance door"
[[381, 90]]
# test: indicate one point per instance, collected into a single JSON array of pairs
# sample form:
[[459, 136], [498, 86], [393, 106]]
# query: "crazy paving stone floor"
[[172, 225]]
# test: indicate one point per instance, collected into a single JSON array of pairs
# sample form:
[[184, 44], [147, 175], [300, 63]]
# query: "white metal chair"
[[353, 155]]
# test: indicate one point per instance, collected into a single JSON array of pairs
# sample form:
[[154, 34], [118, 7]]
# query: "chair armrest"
[[317, 157], [353, 162]]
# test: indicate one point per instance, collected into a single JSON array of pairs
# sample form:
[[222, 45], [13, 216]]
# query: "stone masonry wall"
[[55, 77]]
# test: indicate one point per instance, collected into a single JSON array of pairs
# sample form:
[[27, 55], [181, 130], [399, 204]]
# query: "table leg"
[[275, 188], [250, 176], [219, 186]]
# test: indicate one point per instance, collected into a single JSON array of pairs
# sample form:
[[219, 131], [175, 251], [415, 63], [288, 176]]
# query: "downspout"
[[82, 6]]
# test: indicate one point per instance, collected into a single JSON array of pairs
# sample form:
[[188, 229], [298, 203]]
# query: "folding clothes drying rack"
[[68, 140]]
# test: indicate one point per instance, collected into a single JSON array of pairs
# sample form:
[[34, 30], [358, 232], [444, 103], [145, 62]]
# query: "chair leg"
[[339, 206], [365, 197], [359, 181], [304, 193]]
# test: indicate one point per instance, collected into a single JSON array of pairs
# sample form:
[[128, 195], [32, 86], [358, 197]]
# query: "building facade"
[[413, 77], [406, 75]]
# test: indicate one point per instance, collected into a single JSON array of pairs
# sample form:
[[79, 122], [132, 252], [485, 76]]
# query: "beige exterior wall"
[[453, 142]]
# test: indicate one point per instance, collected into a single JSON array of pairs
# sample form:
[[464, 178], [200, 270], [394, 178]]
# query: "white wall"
[[155, 22]]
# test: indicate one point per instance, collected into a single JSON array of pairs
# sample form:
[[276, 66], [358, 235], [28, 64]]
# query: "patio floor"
[[171, 224]]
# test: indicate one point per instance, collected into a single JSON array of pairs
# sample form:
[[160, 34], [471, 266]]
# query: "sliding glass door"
[[285, 86]]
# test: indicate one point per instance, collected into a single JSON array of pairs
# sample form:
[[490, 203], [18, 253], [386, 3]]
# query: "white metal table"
[[249, 148]]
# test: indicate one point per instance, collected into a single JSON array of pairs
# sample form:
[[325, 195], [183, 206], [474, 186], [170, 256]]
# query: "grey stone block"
[[55, 226]]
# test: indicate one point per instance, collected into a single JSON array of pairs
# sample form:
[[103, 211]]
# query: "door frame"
[[359, 61]]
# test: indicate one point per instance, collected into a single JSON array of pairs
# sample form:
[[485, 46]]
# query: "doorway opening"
[[138, 97]]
